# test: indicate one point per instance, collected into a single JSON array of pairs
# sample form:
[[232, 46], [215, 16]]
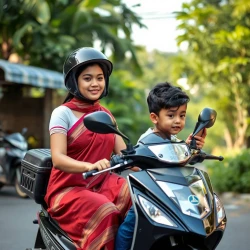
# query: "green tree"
[[127, 103], [217, 61], [42, 32], [161, 67]]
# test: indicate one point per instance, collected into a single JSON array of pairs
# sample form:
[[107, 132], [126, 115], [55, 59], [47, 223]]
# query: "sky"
[[157, 16]]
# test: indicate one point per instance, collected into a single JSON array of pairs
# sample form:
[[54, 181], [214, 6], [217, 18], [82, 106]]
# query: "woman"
[[89, 211]]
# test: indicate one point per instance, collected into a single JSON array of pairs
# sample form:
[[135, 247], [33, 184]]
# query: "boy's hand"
[[200, 138], [135, 169]]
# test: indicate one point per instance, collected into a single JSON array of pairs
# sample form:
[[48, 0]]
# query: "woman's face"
[[91, 82]]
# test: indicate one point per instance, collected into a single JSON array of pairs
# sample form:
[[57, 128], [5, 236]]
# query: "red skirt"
[[91, 217]]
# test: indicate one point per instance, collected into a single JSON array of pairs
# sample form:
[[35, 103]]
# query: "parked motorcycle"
[[175, 206], [13, 147]]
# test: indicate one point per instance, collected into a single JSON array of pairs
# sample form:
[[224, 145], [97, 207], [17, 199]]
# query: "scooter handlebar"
[[201, 156], [213, 157], [89, 173], [117, 161], [95, 171]]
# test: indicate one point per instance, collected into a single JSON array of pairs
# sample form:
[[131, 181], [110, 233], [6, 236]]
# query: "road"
[[17, 232]]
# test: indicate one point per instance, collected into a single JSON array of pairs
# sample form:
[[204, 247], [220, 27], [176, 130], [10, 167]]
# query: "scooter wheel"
[[17, 183]]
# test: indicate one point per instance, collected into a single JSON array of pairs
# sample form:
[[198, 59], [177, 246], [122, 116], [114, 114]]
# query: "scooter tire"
[[19, 191]]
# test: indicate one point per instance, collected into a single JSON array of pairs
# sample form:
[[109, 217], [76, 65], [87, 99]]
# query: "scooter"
[[13, 148], [175, 206]]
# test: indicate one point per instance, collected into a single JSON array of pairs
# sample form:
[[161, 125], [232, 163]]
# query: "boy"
[[167, 107]]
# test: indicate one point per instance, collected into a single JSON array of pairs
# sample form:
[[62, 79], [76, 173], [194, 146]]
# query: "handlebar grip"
[[89, 173], [116, 162], [213, 157], [221, 158]]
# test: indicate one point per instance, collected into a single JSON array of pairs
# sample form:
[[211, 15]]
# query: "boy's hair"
[[165, 96]]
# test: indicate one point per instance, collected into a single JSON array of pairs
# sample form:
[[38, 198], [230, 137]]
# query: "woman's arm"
[[119, 144], [58, 145]]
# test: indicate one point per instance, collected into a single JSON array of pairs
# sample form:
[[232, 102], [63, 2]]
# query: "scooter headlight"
[[155, 213], [219, 208], [191, 199]]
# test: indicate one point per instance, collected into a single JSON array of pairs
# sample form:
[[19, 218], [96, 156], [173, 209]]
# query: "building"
[[27, 97]]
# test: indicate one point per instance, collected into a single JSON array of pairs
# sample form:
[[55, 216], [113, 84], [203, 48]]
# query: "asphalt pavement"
[[17, 232], [236, 236]]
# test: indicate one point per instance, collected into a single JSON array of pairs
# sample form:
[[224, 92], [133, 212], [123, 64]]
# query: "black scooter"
[[175, 206], [13, 148]]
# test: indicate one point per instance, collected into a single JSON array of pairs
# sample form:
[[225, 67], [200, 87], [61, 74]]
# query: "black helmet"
[[76, 61]]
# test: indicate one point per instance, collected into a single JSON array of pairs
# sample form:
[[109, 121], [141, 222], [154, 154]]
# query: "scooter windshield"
[[171, 152], [191, 199]]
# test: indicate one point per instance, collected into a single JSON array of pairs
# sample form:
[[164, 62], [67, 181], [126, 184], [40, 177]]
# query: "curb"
[[228, 197]]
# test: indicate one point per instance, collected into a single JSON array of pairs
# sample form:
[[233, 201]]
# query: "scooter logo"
[[193, 199]]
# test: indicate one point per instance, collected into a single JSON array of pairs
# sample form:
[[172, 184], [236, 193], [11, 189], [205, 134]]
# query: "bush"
[[232, 174]]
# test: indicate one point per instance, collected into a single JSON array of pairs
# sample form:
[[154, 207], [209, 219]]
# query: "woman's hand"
[[200, 139], [100, 165]]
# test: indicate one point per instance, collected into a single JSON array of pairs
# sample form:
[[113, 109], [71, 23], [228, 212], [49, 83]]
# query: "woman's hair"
[[83, 67], [165, 96], [68, 97]]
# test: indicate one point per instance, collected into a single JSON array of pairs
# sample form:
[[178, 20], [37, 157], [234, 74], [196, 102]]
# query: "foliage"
[[161, 67], [43, 32], [157, 67], [127, 104], [217, 62], [232, 174]]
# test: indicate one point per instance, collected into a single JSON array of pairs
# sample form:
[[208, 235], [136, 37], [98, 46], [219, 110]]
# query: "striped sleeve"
[[59, 121]]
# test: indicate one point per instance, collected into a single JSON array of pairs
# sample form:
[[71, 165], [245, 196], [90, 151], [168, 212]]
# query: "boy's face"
[[169, 121]]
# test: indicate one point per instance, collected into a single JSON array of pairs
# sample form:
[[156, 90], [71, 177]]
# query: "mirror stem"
[[193, 143], [129, 149]]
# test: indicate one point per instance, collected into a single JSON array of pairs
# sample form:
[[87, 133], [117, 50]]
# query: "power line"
[[156, 15]]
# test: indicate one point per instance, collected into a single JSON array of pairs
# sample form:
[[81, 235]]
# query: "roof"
[[38, 77]]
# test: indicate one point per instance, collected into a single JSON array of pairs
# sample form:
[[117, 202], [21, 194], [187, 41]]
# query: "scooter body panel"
[[150, 234], [52, 235]]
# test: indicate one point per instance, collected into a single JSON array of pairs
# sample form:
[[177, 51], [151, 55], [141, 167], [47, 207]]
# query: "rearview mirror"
[[206, 119], [102, 123]]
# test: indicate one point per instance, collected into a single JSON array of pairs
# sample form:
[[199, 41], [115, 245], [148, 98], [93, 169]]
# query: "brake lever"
[[96, 172]]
